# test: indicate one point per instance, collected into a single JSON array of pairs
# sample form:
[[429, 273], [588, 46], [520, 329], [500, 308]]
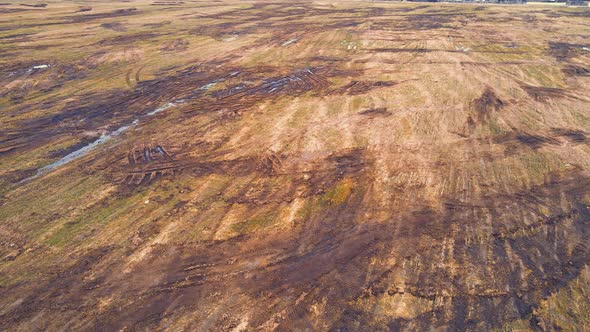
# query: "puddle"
[[101, 140], [106, 137], [82, 151], [163, 108], [214, 83]]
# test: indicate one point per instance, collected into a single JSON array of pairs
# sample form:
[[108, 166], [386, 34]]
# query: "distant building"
[[577, 3], [516, 2], [477, 1]]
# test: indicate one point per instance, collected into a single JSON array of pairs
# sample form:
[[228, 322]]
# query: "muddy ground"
[[323, 166]]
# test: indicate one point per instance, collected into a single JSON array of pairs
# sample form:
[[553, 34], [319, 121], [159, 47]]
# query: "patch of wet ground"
[[90, 112]]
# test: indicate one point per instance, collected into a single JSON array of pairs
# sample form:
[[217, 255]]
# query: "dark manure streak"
[[576, 70], [97, 16], [361, 87]]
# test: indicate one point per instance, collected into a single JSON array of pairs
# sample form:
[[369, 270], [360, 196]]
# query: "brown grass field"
[[284, 165]]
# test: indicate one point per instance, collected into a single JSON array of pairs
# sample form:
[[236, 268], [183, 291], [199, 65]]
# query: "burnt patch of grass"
[[36, 5], [564, 51], [375, 112], [12, 10], [177, 45], [572, 135], [361, 87], [91, 17], [167, 3], [516, 142], [487, 103], [127, 39], [575, 70], [427, 21], [157, 25], [115, 26], [535, 141]]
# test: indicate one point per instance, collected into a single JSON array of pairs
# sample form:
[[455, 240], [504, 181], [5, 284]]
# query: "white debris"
[[208, 86], [291, 41], [230, 38], [41, 66], [350, 45]]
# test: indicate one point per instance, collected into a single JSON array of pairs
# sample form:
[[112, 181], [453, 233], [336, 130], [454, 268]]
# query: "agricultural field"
[[283, 165]]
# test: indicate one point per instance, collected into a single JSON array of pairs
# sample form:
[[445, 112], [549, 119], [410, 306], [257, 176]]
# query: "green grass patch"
[[254, 224], [338, 194]]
